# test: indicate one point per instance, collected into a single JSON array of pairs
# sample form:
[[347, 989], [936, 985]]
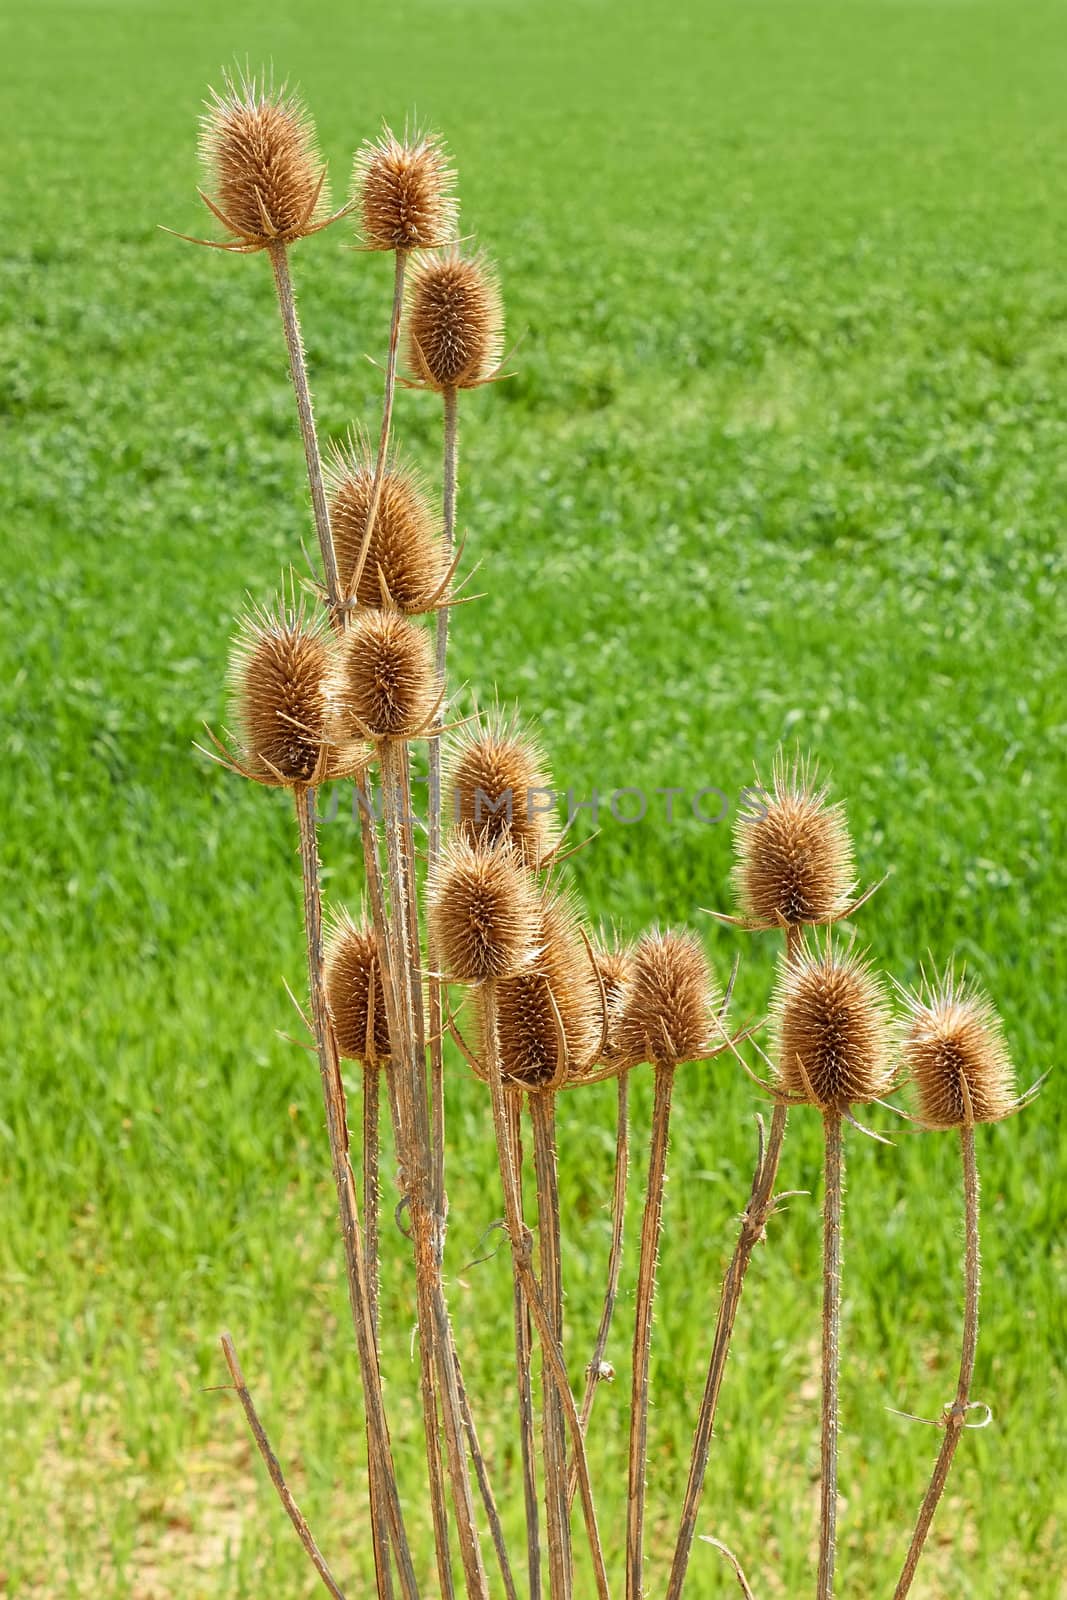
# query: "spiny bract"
[[405, 553], [386, 684], [499, 789], [955, 1051], [831, 1025], [280, 672], [794, 854], [549, 1017], [484, 911], [665, 1018], [258, 147], [404, 190], [353, 978], [455, 323]]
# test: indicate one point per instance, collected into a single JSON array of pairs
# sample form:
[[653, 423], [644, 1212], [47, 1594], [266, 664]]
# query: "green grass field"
[[785, 458]]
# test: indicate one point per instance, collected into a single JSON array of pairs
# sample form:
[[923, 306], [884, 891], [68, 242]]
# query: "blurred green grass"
[[784, 459]]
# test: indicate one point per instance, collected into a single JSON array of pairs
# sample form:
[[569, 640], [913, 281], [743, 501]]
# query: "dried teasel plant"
[[353, 688]]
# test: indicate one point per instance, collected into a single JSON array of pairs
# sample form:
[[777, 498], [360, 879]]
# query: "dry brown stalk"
[[521, 1255], [273, 1466], [523, 1369], [831, 1350], [387, 420], [651, 1226], [379, 1447], [955, 1418], [557, 1505]]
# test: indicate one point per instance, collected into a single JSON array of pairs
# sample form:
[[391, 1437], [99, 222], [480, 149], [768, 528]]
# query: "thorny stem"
[[273, 1466], [523, 1369], [956, 1416], [646, 1288], [557, 1504], [435, 1341], [484, 1486], [831, 1350], [753, 1222], [371, 1209], [521, 1254], [595, 1370], [379, 1449], [437, 1065], [294, 344], [387, 420]]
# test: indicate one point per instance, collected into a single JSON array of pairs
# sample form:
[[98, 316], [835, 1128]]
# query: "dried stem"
[[387, 421], [753, 1222], [371, 1212], [437, 1067], [595, 1370], [557, 1504], [523, 1369], [296, 1516], [831, 1350], [378, 1445], [485, 1488], [521, 1255], [646, 1289], [435, 1341], [956, 1415], [294, 344]]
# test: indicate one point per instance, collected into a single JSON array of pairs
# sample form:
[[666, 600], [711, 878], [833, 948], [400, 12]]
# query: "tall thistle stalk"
[[955, 1053]]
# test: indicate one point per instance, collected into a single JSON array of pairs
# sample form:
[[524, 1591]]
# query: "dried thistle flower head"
[[794, 854], [831, 1028], [386, 682], [258, 147], [484, 912], [455, 322], [665, 1018], [405, 192], [954, 1049], [280, 673], [613, 964], [500, 789], [353, 977], [548, 1017], [405, 552]]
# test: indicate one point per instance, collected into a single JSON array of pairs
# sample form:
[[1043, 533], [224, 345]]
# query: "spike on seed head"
[[794, 855], [665, 1016], [455, 321], [257, 144], [386, 682], [954, 1049], [499, 785], [484, 911], [280, 673], [548, 1018], [831, 1027], [405, 551], [405, 190], [352, 975]]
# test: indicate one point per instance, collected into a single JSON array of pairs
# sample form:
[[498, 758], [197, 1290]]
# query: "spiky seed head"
[[386, 682], [665, 1018], [455, 323], [352, 975], [548, 1016], [257, 144], [280, 673], [405, 192], [614, 966], [954, 1049], [484, 911], [405, 551], [794, 854], [500, 789], [831, 1029]]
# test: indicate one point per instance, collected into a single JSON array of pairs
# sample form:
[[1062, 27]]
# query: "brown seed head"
[[280, 672], [831, 1026], [405, 192], [257, 144], [614, 964], [954, 1048], [499, 789], [548, 1017], [484, 912], [455, 321], [353, 977], [794, 853], [405, 551], [665, 1018], [386, 682]]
